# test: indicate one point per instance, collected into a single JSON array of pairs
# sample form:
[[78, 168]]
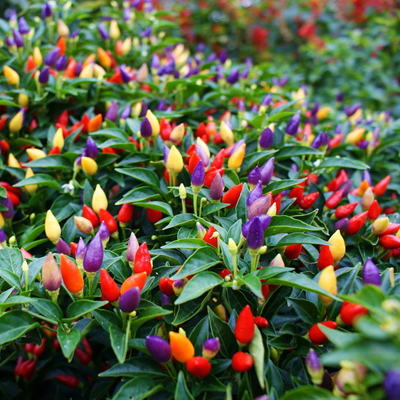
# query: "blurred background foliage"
[[332, 46]]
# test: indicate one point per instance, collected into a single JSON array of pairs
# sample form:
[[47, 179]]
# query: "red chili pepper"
[[39, 350], [265, 290], [54, 150], [341, 177], [5, 147], [261, 322], [11, 189], [89, 214], [17, 368], [27, 369], [374, 210], [33, 125], [293, 251], [199, 367], [390, 242], [153, 215], [56, 345], [142, 260], [277, 199], [232, 196], [165, 129], [87, 346], [307, 201], [125, 213], [393, 228], [73, 246], [201, 130], [325, 258], [351, 312], [109, 220], [68, 380], [357, 222], [297, 193], [83, 357], [334, 199], [138, 280], [244, 329], [224, 273], [63, 118], [334, 142], [219, 158], [208, 237], [28, 348], [210, 175], [315, 334], [345, 211], [166, 286], [109, 289], [242, 362], [380, 188], [193, 161]]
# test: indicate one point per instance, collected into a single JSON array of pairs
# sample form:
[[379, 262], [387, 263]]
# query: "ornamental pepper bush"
[[175, 224]]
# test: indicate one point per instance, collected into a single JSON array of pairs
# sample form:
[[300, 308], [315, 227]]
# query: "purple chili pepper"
[[203, 155], [392, 384], [9, 42], [18, 40], [103, 31], [371, 274], [112, 112], [223, 56], [127, 14], [23, 26], [63, 247], [94, 255], [51, 57], [91, 149], [255, 238], [51, 275], [3, 237], [143, 110], [293, 125], [260, 206], [61, 63], [146, 32], [366, 176], [267, 100], [145, 128], [314, 367], [267, 171], [80, 252], [10, 208], [241, 106], [124, 74], [254, 176], [126, 112], [158, 348], [44, 75], [46, 11], [161, 105], [104, 233], [198, 175], [266, 138], [245, 73], [165, 300], [339, 97], [129, 300], [217, 187], [133, 246], [255, 194], [155, 62], [166, 153], [342, 225], [265, 221], [211, 348], [346, 187], [78, 68], [351, 110]]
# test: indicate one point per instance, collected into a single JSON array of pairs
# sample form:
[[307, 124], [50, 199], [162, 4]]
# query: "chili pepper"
[[314, 367], [293, 251], [334, 184], [125, 213], [232, 196], [109, 220], [216, 186], [307, 201], [211, 348], [334, 199], [325, 258], [27, 369], [380, 226], [392, 228], [83, 225], [95, 123], [297, 193], [71, 275], [380, 188], [218, 161], [210, 238], [277, 200], [142, 260], [315, 334], [174, 161], [390, 242], [242, 362], [166, 286], [342, 225], [90, 215], [260, 207], [68, 380], [224, 273], [236, 159], [265, 291], [51, 276], [199, 367], [244, 328], [181, 347], [345, 210], [11, 75], [109, 289], [87, 346], [338, 246], [374, 210], [261, 322], [94, 255], [136, 280], [153, 215], [63, 247], [293, 125], [99, 200], [357, 222], [178, 286], [351, 312], [17, 368], [28, 348], [158, 348], [211, 174], [327, 280], [38, 350], [83, 357], [52, 227], [392, 384], [371, 274]]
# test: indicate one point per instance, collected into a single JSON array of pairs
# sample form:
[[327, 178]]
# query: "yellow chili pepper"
[[30, 188], [355, 136], [89, 165], [11, 75], [12, 161], [181, 347], [36, 154], [115, 32], [226, 133], [23, 100], [322, 113], [380, 226], [236, 159], [327, 280], [174, 161], [37, 57], [155, 125], [99, 200], [338, 248], [16, 122], [104, 58], [52, 227], [58, 139], [177, 133]]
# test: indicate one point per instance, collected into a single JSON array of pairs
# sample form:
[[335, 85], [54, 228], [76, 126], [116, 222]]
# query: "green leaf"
[[296, 151], [341, 162], [141, 174], [212, 208], [285, 224], [253, 283], [224, 332], [16, 300], [48, 309], [301, 238], [40, 180], [283, 184], [186, 311], [299, 281], [338, 338], [55, 161], [133, 367], [257, 351], [280, 115], [181, 220], [181, 390], [192, 265], [308, 393], [165, 208], [199, 284], [139, 194], [68, 342], [118, 342], [107, 318], [11, 259], [187, 244], [370, 296], [12, 279], [112, 133], [82, 307], [252, 159], [14, 324], [269, 272], [138, 389]]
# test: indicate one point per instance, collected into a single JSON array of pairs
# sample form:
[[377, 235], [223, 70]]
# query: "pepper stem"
[[255, 257]]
